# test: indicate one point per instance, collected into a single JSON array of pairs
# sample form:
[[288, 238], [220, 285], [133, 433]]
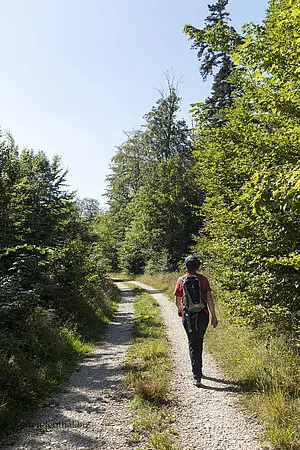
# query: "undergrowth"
[[263, 364], [39, 354], [148, 374]]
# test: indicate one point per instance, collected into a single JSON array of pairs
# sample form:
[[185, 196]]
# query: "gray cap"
[[191, 262]]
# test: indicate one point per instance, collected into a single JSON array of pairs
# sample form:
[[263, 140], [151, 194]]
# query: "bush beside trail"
[[44, 328], [54, 298]]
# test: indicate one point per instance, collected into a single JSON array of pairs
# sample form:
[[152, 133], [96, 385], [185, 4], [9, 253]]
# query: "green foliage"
[[250, 172], [88, 208], [53, 295], [214, 44], [158, 263], [37, 208], [152, 193], [107, 230]]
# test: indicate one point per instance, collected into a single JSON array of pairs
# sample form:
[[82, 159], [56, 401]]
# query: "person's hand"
[[214, 322], [179, 313]]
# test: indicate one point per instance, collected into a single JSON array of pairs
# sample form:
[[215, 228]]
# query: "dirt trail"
[[93, 412], [206, 418]]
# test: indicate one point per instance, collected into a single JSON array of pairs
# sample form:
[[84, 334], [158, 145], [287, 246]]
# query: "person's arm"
[[211, 306], [179, 305], [178, 296]]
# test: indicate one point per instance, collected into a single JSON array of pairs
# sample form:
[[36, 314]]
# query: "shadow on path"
[[230, 386], [222, 389]]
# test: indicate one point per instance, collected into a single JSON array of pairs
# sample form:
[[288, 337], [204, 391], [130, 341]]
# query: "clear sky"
[[76, 74]]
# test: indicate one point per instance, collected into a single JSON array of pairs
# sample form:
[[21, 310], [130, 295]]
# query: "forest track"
[[93, 412], [206, 418]]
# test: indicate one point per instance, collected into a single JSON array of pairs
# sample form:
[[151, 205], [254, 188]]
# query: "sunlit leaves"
[[152, 190], [250, 169]]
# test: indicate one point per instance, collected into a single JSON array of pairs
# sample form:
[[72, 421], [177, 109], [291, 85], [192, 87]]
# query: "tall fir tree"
[[214, 43]]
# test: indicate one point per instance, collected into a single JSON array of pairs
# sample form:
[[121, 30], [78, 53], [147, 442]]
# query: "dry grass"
[[264, 366]]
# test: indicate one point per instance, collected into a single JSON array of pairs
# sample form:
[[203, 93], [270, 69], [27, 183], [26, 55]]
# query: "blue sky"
[[76, 74]]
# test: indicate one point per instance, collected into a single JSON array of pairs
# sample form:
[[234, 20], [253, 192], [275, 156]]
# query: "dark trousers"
[[195, 325]]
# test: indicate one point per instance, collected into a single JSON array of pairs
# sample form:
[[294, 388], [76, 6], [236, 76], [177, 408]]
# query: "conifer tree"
[[214, 43]]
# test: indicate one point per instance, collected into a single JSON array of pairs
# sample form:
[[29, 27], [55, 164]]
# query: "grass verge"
[[264, 366], [148, 375]]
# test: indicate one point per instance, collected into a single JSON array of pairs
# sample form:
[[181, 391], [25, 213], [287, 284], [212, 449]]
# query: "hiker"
[[194, 301]]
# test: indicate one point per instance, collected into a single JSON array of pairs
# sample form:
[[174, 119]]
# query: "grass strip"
[[148, 375], [264, 366]]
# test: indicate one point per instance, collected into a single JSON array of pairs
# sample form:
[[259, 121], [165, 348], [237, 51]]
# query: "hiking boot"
[[197, 382]]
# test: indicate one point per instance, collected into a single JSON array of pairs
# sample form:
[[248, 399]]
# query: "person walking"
[[194, 301]]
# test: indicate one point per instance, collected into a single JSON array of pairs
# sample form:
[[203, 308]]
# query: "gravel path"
[[206, 418], [93, 412]]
